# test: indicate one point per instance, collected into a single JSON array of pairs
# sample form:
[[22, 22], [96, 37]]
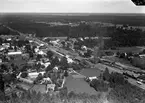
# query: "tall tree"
[[55, 62], [64, 64], [100, 42], [96, 54], [50, 55], [106, 74], [49, 68]]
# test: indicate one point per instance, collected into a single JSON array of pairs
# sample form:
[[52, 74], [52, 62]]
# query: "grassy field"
[[79, 86], [90, 72]]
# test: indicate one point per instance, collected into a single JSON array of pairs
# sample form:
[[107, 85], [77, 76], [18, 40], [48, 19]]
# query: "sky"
[[70, 6]]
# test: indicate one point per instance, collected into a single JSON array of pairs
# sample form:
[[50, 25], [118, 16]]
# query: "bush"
[[66, 74], [116, 79], [63, 92], [75, 66], [24, 75], [106, 75], [50, 54], [99, 85], [39, 77]]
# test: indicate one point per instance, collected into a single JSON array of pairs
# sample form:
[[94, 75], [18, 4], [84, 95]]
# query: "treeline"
[[123, 37], [131, 19], [43, 30]]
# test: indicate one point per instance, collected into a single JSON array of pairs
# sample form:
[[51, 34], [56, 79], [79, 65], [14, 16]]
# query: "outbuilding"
[[15, 53]]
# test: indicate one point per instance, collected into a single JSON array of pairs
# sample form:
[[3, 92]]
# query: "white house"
[[55, 42], [46, 64], [35, 74], [1, 61], [9, 39], [15, 53], [30, 41], [6, 45], [81, 39], [84, 47], [41, 53], [24, 79], [41, 44], [46, 80], [69, 60], [36, 50], [50, 87], [55, 69], [142, 56], [45, 60], [91, 78], [2, 48], [86, 38]]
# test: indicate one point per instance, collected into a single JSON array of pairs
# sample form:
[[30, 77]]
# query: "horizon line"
[[77, 12], [72, 13]]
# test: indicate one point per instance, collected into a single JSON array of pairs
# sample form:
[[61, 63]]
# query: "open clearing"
[[90, 72], [79, 86]]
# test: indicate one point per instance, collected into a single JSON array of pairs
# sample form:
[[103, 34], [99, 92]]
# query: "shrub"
[[106, 75], [75, 66], [24, 75], [63, 92], [99, 85], [116, 79]]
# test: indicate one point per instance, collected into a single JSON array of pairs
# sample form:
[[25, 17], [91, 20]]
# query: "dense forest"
[[120, 37], [115, 18]]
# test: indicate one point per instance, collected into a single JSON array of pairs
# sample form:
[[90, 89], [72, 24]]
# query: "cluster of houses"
[[9, 49], [39, 75]]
